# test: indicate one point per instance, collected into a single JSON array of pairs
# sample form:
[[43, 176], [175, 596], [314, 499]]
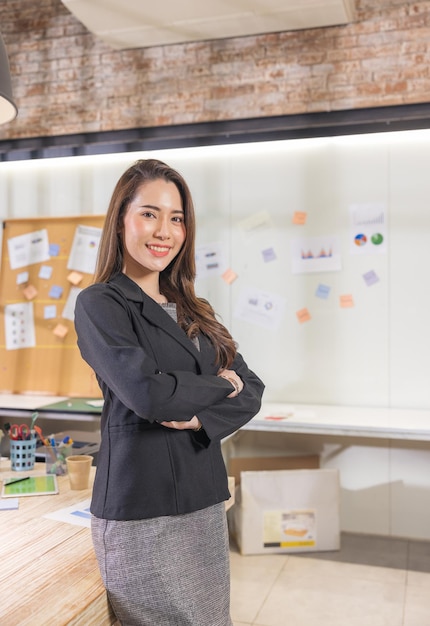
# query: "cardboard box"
[[229, 503], [287, 511], [236, 465]]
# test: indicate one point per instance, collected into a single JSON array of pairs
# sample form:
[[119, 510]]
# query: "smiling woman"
[[174, 386]]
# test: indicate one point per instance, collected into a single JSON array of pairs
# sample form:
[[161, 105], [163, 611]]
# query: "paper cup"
[[78, 468]]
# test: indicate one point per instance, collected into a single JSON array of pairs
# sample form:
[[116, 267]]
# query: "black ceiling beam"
[[306, 125]]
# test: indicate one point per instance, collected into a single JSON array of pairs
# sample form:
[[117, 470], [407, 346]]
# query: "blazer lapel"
[[154, 313]]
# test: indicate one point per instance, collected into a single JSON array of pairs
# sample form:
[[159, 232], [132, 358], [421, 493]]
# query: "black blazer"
[[149, 371]]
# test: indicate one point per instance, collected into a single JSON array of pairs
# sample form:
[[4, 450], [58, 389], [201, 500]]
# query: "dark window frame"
[[307, 125]]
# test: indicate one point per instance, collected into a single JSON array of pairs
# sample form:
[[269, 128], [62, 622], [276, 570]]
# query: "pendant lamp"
[[8, 108]]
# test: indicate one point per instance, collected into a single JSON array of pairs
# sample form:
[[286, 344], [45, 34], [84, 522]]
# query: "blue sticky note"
[[370, 278], [323, 291], [45, 272], [56, 291], [268, 255], [50, 312], [54, 249]]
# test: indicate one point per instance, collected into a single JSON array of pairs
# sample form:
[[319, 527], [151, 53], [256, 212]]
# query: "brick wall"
[[66, 81]]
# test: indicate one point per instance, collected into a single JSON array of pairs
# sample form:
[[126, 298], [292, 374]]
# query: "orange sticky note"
[[303, 315], [346, 301], [60, 331], [229, 276], [74, 278], [30, 292], [299, 217]]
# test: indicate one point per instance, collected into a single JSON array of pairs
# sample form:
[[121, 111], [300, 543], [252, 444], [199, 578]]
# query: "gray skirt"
[[166, 571]]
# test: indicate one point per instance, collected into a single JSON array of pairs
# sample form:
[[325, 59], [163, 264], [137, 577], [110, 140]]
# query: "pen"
[[17, 480]]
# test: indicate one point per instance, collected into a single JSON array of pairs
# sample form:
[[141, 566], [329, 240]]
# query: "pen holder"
[[55, 460], [22, 454]]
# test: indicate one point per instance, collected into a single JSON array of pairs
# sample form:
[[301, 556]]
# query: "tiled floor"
[[371, 581]]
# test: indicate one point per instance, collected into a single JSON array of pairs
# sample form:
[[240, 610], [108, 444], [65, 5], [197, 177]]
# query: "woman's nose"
[[162, 231]]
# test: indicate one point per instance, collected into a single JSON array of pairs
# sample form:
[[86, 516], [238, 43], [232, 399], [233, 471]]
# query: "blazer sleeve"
[[229, 414], [110, 346]]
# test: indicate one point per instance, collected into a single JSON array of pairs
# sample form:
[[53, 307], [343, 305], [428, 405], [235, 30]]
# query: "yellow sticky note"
[[346, 301], [229, 276], [74, 278], [30, 292], [60, 331], [299, 217], [303, 315]]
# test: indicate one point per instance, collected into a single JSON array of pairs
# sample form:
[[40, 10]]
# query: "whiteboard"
[[374, 353]]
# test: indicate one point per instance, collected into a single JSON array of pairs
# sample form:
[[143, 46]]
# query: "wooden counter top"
[[48, 573]]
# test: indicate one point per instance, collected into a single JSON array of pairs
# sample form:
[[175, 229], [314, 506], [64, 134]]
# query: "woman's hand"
[[234, 379], [192, 424]]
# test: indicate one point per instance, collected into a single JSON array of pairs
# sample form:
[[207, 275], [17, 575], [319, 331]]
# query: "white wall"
[[374, 354]]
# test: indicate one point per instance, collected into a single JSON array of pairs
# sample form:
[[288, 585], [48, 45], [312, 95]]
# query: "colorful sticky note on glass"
[[55, 292], [323, 291], [54, 249], [346, 301], [229, 276], [30, 292], [370, 278], [268, 255], [45, 272], [299, 217], [303, 315]]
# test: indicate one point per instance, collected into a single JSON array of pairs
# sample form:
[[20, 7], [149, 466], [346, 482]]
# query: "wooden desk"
[[49, 573]]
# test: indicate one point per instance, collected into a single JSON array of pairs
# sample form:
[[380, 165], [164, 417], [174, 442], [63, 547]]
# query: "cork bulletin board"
[[45, 262]]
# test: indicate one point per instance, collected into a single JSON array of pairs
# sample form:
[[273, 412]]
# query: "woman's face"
[[154, 228]]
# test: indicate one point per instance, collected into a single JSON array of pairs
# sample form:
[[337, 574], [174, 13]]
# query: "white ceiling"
[[142, 23]]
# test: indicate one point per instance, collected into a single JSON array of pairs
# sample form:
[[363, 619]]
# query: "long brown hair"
[[177, 280]]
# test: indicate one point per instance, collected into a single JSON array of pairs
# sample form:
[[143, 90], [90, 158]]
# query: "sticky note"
[[55, 292], [22, 278], [323, 291], [370, 278], [45, 272], [50, 311], [60, 331], [268, 255], [299, 218], [303, 315], [74, 278], [30, 292], [229, 276], [54, 249], [346, 301]]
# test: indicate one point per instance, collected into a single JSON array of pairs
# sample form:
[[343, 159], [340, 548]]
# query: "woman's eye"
[[178, 219]]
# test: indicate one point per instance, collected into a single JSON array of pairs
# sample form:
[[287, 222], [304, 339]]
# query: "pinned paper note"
[[45, 272], [299, 218], [56, 292], [303, 315], [229, 276], [75, 278], [50, 311], [22, 278], [60, 331], [346, 301], [30, 292], [54, 249]]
